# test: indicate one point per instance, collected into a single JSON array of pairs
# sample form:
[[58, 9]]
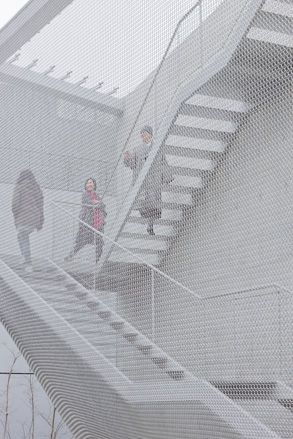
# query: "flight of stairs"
[[205, 125], [93, 315], [99, 325]]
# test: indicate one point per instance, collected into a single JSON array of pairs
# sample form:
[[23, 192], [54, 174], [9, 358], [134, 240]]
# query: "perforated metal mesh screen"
[[156, 301]]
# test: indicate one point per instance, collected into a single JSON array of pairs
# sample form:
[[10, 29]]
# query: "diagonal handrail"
[[157, 270], [121, 247], [182, 19], [276, 286]]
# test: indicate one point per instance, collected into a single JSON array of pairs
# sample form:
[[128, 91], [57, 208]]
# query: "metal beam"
[[15, 75], [26, 23]]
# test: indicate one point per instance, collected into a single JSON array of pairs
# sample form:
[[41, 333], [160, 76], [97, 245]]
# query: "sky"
[[8, 9]]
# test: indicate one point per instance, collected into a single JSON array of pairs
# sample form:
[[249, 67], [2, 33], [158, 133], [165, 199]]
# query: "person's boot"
[[150, 229]]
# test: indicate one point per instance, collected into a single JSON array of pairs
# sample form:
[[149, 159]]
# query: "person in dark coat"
[[28, 212], [150, 201], [92, 213]]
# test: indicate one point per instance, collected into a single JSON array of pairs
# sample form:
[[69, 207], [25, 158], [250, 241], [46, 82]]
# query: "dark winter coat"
[[88, 209], [149, 201], [28, 203]]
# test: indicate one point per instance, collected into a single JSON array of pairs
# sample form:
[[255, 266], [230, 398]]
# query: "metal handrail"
[[225, 295], [152, 267], [182, 19], [69, 203], [248, 290]]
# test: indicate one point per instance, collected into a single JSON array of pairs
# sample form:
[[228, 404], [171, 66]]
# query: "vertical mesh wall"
[[160, 284]]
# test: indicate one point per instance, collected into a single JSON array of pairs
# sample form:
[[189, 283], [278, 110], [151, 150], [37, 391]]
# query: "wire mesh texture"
[[155, 301]]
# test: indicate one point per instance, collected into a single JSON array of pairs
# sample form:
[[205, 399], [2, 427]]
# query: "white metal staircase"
[[76, 341], [202, 127], [84, 355]]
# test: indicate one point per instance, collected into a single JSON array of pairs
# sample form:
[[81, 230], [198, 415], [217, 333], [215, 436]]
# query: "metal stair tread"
[[271, 37], [146, 237], [140, 220], [190, 163], [204, 123], [141, 250], [219, 103], [195, 143], [277, 7]]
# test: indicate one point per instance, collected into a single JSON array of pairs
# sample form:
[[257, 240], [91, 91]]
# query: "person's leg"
[[80, 242], [23, 237], [99, 243], [150, 226]]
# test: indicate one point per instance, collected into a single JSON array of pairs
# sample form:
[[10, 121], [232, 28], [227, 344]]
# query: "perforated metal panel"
[[170, 317]]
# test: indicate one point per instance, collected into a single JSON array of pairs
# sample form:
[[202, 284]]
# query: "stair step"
[[48, 290], [195, 143], [218, 103], [77, 309], [105, 315], [37, 276], [204, 123], [145, 348], [177, 189], [139, 220], [161, 362], [247, 390], [93, 305], [145, 236], [279, 8], [140, 250], [80, 294], [188, 153], [130, 336], [135, 243], [117, 325], [187, 172], [271, 37], [161, 230], [65, 300], [71, 286], [185, 181], [171, 205], [176, 374], [189, 162], [119, 258]]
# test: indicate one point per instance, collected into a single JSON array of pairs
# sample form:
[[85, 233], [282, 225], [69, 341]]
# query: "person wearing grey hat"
[[147, 129], [150, 200]]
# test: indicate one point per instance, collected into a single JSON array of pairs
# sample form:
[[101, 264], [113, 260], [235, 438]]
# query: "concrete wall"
[[238, 235], [62, 142]]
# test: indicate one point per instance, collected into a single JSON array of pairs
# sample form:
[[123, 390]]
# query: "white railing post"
[[153, 303], [95, 261], [53, 229], [201, 33]]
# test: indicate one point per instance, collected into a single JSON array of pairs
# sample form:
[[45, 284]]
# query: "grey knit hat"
[[147, 129]]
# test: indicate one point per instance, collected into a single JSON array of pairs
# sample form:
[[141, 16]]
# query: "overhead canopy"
[[117, 43]]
